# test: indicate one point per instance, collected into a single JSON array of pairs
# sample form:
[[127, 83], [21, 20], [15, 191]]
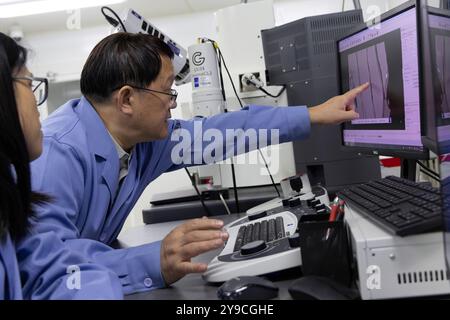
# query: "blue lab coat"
[[79, 167], [10, 286], [48, 273]]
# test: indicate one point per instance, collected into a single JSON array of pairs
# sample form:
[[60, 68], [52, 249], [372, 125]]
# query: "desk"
[[191, 287], [248, 198]]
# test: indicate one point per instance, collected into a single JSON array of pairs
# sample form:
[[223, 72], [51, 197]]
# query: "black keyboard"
[[267, 230], [400, 206]]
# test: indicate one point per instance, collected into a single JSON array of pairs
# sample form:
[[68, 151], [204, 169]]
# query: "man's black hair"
[[120, 59]]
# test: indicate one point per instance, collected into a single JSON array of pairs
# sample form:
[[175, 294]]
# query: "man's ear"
[[125, 99]]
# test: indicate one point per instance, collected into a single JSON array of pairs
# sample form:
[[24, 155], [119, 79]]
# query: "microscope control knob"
[[285, 202], [253, 247], [315, 202], [294, 202], [294, 240], [257, 215], [309, 201]]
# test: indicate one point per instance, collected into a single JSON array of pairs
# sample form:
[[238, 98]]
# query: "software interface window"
[[371, 65], [386, 55], [443, 73]]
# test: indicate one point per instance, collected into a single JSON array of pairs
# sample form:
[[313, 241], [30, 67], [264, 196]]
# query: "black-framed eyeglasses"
[[173, 93], [39, 87]]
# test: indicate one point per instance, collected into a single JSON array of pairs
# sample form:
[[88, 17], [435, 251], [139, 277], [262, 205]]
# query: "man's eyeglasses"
[[173, 93], [39, 87]]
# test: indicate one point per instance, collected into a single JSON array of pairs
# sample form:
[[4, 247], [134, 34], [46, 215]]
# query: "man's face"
[[153, 108]]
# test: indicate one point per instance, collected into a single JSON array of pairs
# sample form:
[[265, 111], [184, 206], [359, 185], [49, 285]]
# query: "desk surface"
[[248, 198], [191, 287]]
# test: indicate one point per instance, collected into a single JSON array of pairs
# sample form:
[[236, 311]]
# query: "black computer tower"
[[303, 56]]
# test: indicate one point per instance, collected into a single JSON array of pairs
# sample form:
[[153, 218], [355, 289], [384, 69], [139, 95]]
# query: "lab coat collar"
[[99, 140], [100, 143]]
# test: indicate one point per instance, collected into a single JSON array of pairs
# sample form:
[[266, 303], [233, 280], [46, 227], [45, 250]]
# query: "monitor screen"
[[386, 55], [440, 55]]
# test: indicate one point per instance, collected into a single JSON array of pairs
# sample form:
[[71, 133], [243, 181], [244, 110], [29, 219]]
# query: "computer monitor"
[[385, 52], [439, 31], [302, 56]]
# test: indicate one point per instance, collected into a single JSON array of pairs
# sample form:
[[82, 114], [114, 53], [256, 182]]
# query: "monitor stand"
[[408, 169]]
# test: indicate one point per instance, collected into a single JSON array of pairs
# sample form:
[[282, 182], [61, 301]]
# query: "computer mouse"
[[320, 288], [247, 288]]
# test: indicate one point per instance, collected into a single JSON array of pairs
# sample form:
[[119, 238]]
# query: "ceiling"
[[92, 16]]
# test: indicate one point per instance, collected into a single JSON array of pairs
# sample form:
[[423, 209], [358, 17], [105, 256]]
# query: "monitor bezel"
[[379, 150]]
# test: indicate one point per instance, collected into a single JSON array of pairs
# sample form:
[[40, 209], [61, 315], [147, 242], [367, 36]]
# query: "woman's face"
[[28, 113]]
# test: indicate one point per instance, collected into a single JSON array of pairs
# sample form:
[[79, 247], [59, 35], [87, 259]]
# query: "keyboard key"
[[256, 231], [271, 231], [239, 239], [279, 223], [248, 234]]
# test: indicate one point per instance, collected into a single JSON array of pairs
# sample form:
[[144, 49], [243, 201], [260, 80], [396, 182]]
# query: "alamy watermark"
[[73, 281], [73, 22], [212, 146], [374, 277]]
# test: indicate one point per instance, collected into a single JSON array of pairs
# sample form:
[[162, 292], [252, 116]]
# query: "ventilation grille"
[[335, 22], [326, 31], [422, 276]]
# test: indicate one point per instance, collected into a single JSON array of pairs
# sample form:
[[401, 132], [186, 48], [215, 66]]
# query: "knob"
[[320, 207], [315, 202], [309, 201], [285, 202], [253, 247], [294, 202], [257, 215], [294, 240]]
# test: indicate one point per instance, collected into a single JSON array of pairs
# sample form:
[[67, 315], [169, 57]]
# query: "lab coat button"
[[148, 282]]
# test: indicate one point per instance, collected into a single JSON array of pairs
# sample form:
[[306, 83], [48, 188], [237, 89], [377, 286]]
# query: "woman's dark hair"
[[16, 197], [120, 59]]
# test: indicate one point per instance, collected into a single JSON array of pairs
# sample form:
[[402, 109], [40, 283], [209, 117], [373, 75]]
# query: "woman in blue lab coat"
[[57, 273]]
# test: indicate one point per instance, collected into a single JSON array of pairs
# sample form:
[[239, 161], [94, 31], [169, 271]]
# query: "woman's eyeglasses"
[[39, 87]]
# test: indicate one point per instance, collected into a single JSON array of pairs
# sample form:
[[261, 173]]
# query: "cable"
[[208, 213], [271, 95], [242, 106], [220, 58], [431, 172], [343, 5], [237, 96], [428, 170], [233, 173], [112, 21], [229, 76], [268, 170], [250, 79], [224, 203], [429, 175]]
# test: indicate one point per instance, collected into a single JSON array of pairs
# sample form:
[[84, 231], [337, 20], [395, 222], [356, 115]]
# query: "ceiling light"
[[20, 8]]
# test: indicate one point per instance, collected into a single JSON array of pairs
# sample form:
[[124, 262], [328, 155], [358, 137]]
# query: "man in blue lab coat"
[[103, 150]]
